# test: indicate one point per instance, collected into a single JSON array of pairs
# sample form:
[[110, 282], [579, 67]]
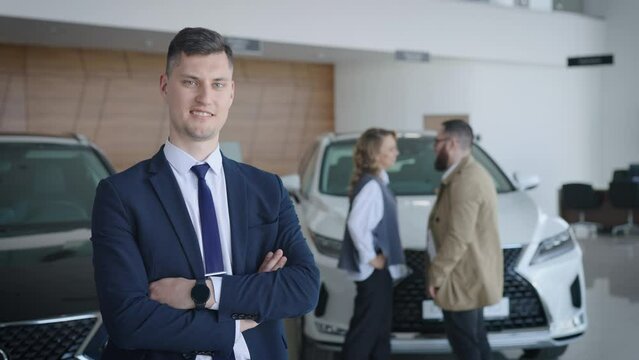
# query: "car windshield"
[[47, 187], [412, 174]]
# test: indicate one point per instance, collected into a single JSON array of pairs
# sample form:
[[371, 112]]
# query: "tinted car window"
[[46, 187], [48, 302], [412, 174]]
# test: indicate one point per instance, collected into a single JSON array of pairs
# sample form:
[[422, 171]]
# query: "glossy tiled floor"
[[612, 295]]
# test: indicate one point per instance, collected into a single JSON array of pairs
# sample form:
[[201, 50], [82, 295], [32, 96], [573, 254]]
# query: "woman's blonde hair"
[[366, 150]]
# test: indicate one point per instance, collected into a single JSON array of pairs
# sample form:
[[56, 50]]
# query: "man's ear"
[[232, 90], [164, 81], [454, 142]]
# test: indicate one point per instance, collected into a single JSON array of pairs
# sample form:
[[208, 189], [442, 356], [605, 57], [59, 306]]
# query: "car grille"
[[525, 307], [56, 339]]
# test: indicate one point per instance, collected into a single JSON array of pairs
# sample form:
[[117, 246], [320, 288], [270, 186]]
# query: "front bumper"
[[79, 337], [547, 306], [420, 344]]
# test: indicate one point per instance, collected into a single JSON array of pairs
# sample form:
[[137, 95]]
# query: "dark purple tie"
[[213, 262]]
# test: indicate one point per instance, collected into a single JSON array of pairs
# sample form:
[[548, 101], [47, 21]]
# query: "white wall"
[[596, 8], [533, 119], [535, 115], [449, 28], [620, 115]]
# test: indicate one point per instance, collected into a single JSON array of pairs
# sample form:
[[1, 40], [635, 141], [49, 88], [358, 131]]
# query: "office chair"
[[625, 195], [621, 175], [581, 197], [633, 172]]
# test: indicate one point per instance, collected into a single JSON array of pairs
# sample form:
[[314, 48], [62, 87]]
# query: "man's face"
[[387, 152], [442, 147], [199, 92]]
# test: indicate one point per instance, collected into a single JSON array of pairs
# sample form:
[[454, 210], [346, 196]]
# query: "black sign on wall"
[[607, 59]]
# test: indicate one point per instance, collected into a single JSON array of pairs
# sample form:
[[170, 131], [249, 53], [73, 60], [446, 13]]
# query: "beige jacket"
[[468, 267]]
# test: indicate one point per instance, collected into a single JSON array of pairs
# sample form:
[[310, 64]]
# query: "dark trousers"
[[368, 335], [467, 334]]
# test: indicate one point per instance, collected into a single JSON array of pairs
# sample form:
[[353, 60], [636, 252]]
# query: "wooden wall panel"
[[12, 59], [113, 98], [54, 61], [103, 63], [13, 108]]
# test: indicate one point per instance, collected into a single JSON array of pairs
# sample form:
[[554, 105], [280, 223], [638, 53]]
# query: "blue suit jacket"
[[142, 232]]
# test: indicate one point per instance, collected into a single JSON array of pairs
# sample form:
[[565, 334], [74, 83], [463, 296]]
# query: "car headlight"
[[553, 246], [327, 246]]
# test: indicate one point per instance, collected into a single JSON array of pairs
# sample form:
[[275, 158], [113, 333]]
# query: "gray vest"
[[385, 235]]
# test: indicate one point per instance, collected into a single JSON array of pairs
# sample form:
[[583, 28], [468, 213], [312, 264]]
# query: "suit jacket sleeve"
[[289, 292], [464, 207], [132, 319]]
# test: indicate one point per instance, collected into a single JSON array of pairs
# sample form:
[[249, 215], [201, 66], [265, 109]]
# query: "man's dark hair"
[[196, 41], [460, 130]]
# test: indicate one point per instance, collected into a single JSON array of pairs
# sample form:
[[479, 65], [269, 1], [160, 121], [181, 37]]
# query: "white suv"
[[544, 290]]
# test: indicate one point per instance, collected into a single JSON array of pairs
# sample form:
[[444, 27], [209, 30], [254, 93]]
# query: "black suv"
[[48, 303]]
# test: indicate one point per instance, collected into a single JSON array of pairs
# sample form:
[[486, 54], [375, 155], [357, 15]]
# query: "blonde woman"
[[372, 252]]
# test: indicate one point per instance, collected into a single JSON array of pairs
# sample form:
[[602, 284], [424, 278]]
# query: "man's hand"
[[247, 325], [378, 262], [176, 292], [273, 261], [432, 291]]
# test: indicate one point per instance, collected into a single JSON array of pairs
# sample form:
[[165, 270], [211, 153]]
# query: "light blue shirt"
[[181, 163]]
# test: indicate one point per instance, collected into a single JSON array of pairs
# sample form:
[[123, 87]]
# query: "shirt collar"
[[181, 161], [450, 170], [384, 176], [457, 167]]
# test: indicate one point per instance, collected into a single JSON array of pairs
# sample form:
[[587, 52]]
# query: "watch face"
[[200, 293]]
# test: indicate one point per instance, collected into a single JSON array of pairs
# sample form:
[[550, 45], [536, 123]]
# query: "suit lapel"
[[238, 213], [167, 189]]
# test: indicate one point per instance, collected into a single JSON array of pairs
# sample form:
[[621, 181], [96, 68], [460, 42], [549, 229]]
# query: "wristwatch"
[[200, 294]]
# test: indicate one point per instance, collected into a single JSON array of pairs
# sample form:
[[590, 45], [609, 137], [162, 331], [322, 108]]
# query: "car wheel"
[[310, 351], [544, 353]]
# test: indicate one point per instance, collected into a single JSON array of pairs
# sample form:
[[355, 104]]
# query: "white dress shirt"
[[181, 163], [450, 170]]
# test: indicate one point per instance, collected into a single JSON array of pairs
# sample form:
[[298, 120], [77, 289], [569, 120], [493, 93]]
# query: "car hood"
[[518, 218], [46, 275]]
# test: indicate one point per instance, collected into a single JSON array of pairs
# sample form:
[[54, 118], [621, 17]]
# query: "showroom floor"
[[612, 295], [612, 281]]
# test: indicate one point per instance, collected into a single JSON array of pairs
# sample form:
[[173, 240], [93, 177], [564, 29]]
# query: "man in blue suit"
[[190, 246]]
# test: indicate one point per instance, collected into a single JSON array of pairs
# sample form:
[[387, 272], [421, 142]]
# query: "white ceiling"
[[58, 34]]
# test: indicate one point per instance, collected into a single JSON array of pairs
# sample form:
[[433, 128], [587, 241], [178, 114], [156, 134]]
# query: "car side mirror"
[[292, 183], [526, 182]]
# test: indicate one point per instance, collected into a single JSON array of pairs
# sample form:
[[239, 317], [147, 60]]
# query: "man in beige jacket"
[[466, 273]]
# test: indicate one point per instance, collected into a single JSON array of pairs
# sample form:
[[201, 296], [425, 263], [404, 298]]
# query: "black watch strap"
[[200, 294]]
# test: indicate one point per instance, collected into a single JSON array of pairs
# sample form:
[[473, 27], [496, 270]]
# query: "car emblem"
[[3, 355]]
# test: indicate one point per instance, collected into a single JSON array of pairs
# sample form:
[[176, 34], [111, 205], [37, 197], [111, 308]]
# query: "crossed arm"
[[175, 292], [135, 320]]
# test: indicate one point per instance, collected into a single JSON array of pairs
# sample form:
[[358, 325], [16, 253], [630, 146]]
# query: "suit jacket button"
[[437, 219]]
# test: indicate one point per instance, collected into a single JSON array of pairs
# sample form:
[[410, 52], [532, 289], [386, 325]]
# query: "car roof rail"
[[81, 138]]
